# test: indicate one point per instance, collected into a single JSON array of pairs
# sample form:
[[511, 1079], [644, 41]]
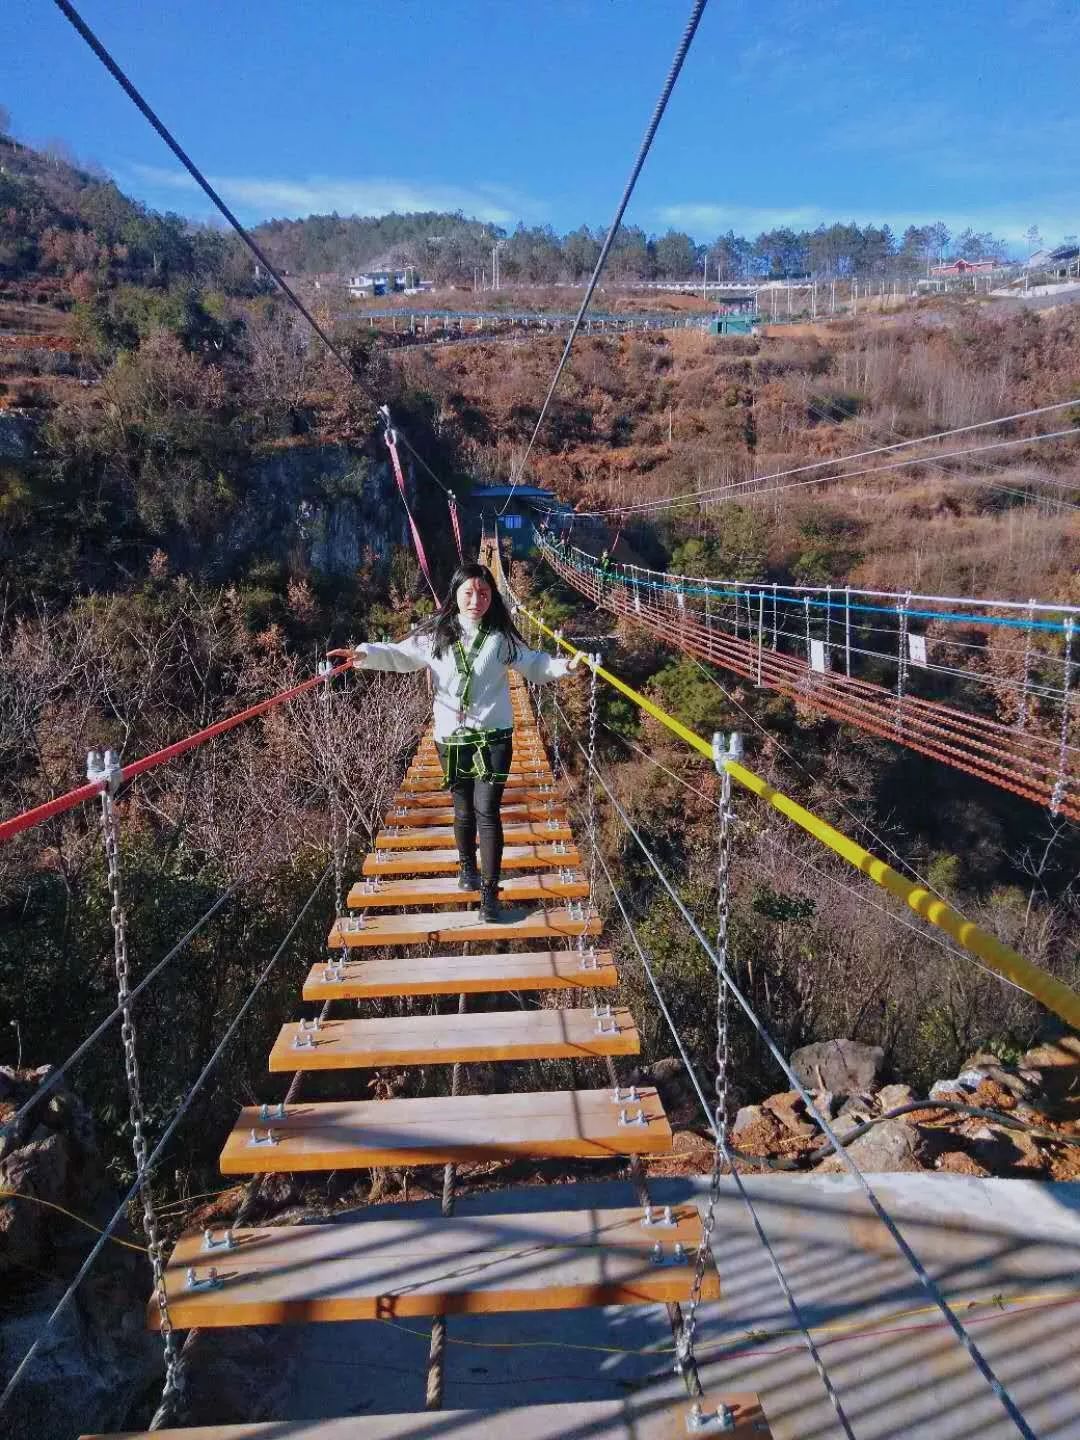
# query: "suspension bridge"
[[818, 646], [436, 986]]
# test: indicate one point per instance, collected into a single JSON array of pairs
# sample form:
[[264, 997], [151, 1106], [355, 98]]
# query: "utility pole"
[[705, 278]]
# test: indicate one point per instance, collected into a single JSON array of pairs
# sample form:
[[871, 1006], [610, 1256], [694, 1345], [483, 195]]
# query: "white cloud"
[[268, 196]]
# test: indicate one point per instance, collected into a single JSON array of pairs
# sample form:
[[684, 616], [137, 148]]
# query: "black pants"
[[476, 812]]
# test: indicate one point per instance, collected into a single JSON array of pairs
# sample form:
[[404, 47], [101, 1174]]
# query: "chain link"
[[590, 792], [685, 1347], [110, 826]]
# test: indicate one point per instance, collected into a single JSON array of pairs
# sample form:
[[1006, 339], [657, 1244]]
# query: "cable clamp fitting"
[[333, 972], [351, 924], [210, 1281], [654, 1220], [678, 1255], [725, 749], [268, 1139], [699, 1421], [272, 1112], [324, 667], [636, 1121], [210, 1241], [589, 959], [627, 1096], [104, 769]]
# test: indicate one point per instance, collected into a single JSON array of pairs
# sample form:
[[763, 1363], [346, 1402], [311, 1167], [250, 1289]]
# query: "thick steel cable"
[[781, 1278], [56, 1075], [922, 1274], [84, 1269], [71, 14], [646, 144]]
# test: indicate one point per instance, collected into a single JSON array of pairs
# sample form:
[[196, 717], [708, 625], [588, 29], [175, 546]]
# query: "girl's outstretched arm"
[[412, 653]]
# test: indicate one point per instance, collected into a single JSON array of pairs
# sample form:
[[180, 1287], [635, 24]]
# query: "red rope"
[[452, 502], [421, 554], [72, 798]]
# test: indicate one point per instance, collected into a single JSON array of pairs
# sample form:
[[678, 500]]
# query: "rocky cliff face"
[[317, 506], [99, 1359]]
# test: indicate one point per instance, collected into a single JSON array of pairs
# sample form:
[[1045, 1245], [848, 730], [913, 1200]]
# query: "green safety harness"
[[466, 754]]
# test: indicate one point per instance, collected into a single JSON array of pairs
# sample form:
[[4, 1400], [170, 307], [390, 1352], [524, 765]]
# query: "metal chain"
[[686, 1357], [109, 772], [590, 792], [1022, 707]]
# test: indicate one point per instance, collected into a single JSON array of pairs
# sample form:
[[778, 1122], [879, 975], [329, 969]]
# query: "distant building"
[[385, 282], [1062, 261], [965, 267], [525, 505]]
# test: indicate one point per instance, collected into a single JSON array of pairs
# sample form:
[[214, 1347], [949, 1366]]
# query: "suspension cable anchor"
[[726, 748], [717, 1422], [227, 1241]]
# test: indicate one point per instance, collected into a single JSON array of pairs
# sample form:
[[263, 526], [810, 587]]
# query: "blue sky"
[[787, 111]]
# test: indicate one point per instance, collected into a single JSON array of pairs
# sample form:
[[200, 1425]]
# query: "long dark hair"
[[445, 626]]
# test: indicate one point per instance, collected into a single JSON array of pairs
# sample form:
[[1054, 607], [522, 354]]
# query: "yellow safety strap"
[[1053, 993]]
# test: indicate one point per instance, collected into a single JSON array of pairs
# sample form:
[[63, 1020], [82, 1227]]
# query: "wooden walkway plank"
[[439, 837], [452, 926], [645, 1415], [461, 974], [522, 780], [442, 861], [404, 816], [363, 1043], [539, 795], [439, 890], [437, 1130], [387, 1269]]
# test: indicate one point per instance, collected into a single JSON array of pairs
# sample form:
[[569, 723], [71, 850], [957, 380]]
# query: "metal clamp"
[[637, 1120], [333, 971], [607, 1025], [602, 1012], [303, 1039], [589, 959], [665, 1220], [268, 1139], [726, 748], [627, 1096], [211, 1281], [104, 770], [351, 924], [679, 1255], [227, 1241], [552, 824], [272, 1112], [716, 1422]]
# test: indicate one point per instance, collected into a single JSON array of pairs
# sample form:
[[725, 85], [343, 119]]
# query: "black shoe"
[[491, 911], [468, 876]]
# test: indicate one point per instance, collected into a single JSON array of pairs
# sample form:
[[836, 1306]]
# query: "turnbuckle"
[[227, 1241], [211, 1281]]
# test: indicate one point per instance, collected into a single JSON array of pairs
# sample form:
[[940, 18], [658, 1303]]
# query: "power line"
[[740, 486], [643, 151], [884, 449]]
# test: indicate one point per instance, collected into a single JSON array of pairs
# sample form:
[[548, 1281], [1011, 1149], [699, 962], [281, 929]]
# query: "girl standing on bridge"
[[469, 646]]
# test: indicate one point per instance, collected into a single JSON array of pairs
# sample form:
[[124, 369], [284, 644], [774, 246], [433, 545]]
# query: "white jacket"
[[489, 694]]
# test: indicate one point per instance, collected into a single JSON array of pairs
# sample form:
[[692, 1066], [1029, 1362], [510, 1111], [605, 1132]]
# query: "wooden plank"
[[441, 861], [437, 890], [529, 778], [362, 1042], [440, 836], [460, 974], [540, 795], [645, 1415], [427, 927], [386, 1269], [436, 1130], [404, 816]]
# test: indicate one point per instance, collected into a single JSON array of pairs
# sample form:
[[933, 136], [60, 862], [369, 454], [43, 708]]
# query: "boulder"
[[857, 1109], [788, 1108], [842, 1066], [890, 1147], [1001, 1149], [677, 1094], [891, 1097], [959, 1162]]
